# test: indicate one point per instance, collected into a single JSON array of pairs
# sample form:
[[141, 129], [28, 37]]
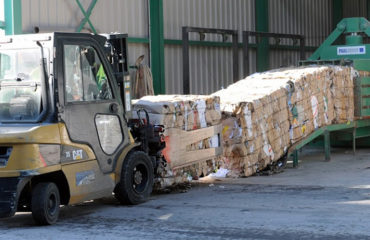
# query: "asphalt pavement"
[[317, 200]]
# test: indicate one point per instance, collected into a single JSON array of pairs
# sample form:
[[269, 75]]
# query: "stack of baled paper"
[[186, 112], [263, 116], [183, 113], [266, 113]]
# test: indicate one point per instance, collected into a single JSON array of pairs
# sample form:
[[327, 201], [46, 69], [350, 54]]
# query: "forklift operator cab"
[[64, 136], [21, 89], [87, 108], [85, 76]]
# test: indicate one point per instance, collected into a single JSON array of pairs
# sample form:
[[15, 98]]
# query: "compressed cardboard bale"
[[188, 112], [248, 165], [264, 114], [185, 113], [175, 120], [236, 150], [213, 117], [231, 132], [363, 73], [165, 104], [278, 108], [337, 79]]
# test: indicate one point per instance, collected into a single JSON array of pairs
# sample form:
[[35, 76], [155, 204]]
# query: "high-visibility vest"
[[101, 77]]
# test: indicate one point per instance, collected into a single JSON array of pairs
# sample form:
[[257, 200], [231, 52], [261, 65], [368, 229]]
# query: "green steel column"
[[295, 158], [13, 17], [354, 141], [262, 25], [157, 45], [327, 145], [337, 12]]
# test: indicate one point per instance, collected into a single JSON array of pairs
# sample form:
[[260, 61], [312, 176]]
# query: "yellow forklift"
[[66, 133]]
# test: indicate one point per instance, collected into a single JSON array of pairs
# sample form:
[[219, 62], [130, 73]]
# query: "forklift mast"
[[150, 136], [117, 53]]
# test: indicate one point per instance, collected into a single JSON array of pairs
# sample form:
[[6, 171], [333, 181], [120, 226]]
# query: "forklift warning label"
[[356, 50]]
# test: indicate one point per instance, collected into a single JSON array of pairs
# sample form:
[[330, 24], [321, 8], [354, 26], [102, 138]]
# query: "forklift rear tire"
[[136, 182], [45, 203]]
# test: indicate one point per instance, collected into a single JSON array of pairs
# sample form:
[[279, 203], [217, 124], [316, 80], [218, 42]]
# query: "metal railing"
[[202, 31], [277, 37]]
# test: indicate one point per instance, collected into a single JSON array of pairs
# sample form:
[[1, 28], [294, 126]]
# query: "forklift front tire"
[[136, 183], [45, 203]]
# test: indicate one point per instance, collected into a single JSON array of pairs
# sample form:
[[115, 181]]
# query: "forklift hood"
[[48, 134]]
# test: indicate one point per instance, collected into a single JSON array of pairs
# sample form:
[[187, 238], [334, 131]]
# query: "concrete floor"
[[318, 200]]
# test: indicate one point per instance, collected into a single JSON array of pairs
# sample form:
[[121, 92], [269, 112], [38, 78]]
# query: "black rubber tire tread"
[[124, 191], [40, 196]]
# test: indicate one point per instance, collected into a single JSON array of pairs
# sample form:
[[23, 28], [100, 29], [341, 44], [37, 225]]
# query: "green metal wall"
[[12, 17]]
